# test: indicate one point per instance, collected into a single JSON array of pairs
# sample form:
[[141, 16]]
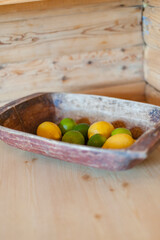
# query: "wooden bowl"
[[19, 121]]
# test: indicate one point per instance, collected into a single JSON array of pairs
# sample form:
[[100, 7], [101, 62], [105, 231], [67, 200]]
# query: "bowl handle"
[[149, 140]]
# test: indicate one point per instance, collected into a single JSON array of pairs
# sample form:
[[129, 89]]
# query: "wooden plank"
[[151, 67], [152, 95], [131, 91], [151, 26], [5, 2], [49, 4], [153, 3], [49, 8], [73, 72], [78, 29]]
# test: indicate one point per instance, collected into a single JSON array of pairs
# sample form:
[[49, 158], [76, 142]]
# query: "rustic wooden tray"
[[19, 120]]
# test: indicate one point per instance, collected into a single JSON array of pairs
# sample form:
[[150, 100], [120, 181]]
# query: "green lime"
[[82, 128], [73, 137], [66, 125], [121, 130], [96, 140]]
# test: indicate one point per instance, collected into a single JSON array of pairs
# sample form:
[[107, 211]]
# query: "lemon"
[[49, 130], [82, 128], [73, 137], [119, 141], [96, 140], [121, 130], [102, 127], [66, 125]]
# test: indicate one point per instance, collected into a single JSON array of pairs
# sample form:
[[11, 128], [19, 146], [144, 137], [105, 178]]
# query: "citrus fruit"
[[82, 128], [73, 137], [119, 141], [66, 125], [96, 140], [49, 130], [102, 127], [121, 130]]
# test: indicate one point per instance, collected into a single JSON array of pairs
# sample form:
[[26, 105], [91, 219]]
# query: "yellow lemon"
[[102, 127], [49, 130], [119, 141]]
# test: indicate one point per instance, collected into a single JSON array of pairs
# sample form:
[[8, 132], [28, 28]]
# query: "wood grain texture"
[[47, 8], [39, 195], [78, 72], [151, 67], [153, 3], [68, 31], [151, 28], [69, 46], [131, 91], [152, 95], [5, 2], [49, 4]]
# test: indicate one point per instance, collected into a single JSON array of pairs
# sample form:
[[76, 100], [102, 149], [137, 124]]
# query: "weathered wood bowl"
[[19, 121]]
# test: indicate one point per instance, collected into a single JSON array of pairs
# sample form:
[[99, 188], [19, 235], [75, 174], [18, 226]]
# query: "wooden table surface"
[[44, 198]]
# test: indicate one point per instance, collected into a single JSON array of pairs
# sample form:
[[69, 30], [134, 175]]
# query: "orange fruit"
[[49, 130], [119, 141], [102, 127]]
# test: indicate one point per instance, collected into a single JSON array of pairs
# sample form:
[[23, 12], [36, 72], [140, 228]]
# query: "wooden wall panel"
[[77, 47], [72, 73], [49, 4], [154, 3], [151, 32], [151, 23], [152, 66], [131, 91], [68, 31], [5, 2], [152, 95]]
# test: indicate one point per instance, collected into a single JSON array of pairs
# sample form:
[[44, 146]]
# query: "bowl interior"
[[29, 112]]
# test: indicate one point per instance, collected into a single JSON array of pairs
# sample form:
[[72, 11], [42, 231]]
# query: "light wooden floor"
[[43, 198]]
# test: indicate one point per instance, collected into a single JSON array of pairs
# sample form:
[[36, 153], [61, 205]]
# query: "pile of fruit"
[[100, 134]]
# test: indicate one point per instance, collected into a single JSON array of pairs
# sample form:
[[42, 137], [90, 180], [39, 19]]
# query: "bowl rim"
[[151, 137]]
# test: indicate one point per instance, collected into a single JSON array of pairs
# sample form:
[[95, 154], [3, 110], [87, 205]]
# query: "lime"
[[82, 128], [49, 130], [96, 140], [73, 137], [121, 130], [66, 125], [102, 127], [119, 141]]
